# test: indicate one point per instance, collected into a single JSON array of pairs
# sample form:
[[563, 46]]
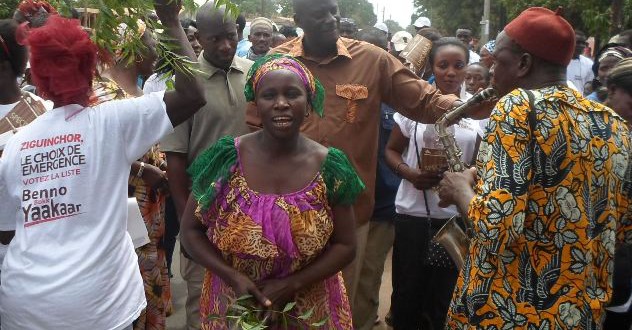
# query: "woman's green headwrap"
[[274, 62]]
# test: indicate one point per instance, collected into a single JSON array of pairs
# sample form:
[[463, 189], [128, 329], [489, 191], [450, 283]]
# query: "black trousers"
[[421, 292], [172, 228]]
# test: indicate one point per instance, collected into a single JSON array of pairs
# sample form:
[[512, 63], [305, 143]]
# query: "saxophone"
[[451, 236]]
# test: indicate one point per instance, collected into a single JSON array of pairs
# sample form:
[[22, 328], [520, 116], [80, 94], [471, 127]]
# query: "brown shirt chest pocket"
[[353, 94]]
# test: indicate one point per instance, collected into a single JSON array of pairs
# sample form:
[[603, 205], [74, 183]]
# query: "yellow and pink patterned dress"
[[267, 236]]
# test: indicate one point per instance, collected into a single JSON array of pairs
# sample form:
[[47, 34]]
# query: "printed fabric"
[[152, 257], [267, 236], [547, 215]]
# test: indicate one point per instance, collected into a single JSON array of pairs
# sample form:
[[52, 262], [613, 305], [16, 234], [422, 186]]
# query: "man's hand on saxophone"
[[457, 188]]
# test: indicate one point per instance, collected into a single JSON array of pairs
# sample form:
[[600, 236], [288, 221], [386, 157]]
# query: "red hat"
[[543, 33]]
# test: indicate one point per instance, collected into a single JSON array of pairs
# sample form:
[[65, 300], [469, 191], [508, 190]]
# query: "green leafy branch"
[[106, 30], [230, 9], [245, 314]]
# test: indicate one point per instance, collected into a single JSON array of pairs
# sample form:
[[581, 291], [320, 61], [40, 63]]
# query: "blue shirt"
[[386, 182], [242, 47]]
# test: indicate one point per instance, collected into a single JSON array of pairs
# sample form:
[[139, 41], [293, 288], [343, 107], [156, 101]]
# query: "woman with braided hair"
[[270, 213]]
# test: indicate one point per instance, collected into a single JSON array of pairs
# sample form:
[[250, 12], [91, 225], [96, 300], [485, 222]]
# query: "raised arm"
[[187, 96], [418, 100]]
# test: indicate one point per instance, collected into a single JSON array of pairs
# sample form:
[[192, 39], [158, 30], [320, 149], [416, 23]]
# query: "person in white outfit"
[[71, 263], [579, 71], [423, 274]]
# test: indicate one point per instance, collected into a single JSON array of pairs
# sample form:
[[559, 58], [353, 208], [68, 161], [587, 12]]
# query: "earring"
[[307, 114]]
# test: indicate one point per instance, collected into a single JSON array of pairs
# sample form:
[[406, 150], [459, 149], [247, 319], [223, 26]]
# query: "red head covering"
[[543, 33], [63, 61]]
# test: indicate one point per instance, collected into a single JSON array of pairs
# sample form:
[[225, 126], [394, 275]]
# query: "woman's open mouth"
[[282, 121]]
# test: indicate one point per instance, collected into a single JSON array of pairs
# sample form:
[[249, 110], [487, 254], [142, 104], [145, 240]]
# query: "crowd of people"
[[293, 159]]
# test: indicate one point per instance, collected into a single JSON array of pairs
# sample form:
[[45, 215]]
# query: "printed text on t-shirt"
[[44, 163]]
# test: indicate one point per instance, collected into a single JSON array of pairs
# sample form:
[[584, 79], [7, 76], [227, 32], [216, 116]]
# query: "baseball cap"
[[422, 22], [400, 40], [381, 27]]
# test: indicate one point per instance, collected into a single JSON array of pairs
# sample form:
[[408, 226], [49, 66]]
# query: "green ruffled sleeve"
[[211, 169], [343, 183]]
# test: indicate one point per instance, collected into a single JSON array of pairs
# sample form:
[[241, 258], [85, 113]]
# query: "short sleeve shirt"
[[224, 113], [66, 177]]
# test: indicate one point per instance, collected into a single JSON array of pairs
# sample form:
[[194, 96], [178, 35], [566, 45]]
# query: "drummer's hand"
[[456, 185]]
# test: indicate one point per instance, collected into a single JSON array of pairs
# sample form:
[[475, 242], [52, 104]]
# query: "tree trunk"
[[617, 17]]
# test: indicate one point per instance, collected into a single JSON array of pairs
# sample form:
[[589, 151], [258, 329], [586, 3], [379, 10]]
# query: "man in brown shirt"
[[357, 78]]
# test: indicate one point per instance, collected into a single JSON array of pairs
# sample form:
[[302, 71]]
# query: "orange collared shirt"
[[357, 80]]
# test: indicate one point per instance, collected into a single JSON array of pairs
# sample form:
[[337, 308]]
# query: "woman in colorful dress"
[[270, 214]]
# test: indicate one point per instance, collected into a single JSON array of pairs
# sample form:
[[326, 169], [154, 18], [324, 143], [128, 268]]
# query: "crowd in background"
[[313, 156]]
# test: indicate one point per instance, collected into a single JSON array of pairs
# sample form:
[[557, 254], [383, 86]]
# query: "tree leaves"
[[288, 307], [7, 7], [590, 16]]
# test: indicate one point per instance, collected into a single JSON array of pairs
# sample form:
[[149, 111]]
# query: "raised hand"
[[168, 10]]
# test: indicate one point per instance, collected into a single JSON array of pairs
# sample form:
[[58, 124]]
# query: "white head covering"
[[381, 27], [400, 40], [422, 22]]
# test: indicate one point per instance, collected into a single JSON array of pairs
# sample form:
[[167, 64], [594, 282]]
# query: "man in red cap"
[[549, 201]]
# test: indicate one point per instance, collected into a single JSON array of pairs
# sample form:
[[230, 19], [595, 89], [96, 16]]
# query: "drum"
[[21, 115], [416, 54]]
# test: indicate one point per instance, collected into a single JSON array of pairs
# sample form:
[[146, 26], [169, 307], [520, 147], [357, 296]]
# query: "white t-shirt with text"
[[72, 264]]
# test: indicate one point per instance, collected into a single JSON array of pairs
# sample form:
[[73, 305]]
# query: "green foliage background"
[[393, 26], [360, 10], [7, 7], [591, 16]]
